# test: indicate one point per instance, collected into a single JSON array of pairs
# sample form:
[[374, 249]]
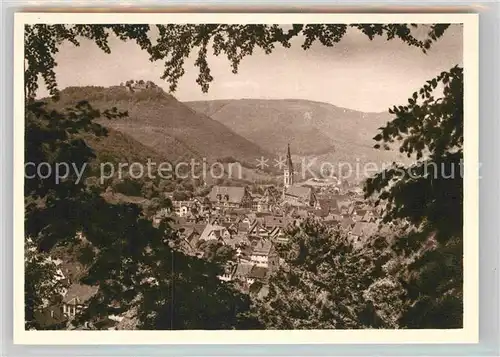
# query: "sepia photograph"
[[262, 173]]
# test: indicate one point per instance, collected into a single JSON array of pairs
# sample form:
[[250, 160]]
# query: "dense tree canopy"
[[429, 194], [42, 284], [132, 260], [326, 283]]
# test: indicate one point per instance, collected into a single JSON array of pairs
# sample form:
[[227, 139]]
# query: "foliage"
[[52, 138], [181, 195], [135, 268], [202, 191], [215, 251], [387, 296], [273, 193], [175, 43], [198, 300], [166, 186], [153, 206], [431, 188], [42, 285], [326, 283], [129, 259], [256, 189], [128, 186], [430, 128], [433, 280], [42, 43], [188, 186]]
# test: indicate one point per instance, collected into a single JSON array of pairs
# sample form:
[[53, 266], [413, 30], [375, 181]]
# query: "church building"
[[295, 194]]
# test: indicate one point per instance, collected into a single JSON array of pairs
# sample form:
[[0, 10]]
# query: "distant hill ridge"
[[310, 126], [318, 129], [245, 129]]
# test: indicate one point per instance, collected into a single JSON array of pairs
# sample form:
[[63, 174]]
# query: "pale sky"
[[356, 73]]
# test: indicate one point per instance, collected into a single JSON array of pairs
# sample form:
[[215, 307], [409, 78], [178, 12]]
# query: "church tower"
[[288, 171]]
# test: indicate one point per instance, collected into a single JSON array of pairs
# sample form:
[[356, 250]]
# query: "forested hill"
[[312, 128], [159, 121]]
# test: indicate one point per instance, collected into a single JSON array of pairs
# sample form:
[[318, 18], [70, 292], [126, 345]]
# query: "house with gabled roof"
[[326, 203], [297, 195], [237, 242], [264, 254], [214, 232], [361, 232], [230, 197], [343, 202], [189, 236], [277, 234], [368, 216], [256, 229], [321, 213], [242, 271], [243, 228], [347, 223], [51, 318], [76, 298], [272, 221], [228, 272], [351, 210]]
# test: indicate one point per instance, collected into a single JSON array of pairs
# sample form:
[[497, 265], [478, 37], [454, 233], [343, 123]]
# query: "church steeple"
[[289, 159], [288, 171]]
